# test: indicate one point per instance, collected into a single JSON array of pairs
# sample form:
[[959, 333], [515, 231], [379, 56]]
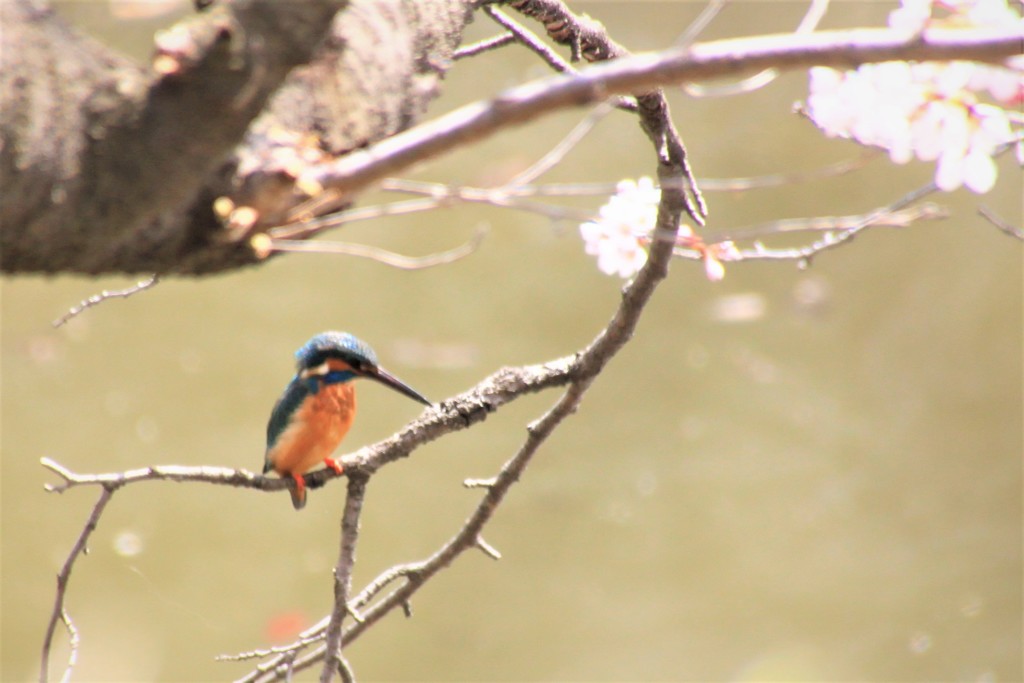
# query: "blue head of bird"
[[318, 405], [332, 357]]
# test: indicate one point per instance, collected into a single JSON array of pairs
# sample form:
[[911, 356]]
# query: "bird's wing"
[[281, 416]]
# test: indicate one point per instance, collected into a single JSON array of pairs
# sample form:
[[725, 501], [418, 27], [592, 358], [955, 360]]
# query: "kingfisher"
[[319, 404]]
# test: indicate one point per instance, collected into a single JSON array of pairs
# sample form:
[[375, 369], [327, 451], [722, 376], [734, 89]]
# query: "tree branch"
[[97, 299], [843, 234], [131, 142], [355, 172], [576, 372], [343, 579], [122, 164], [454, 414], [588, 39], [991, 216], [586, 366]]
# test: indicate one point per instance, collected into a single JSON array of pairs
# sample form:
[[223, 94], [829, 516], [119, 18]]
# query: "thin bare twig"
[[1011, 230], [484, 46], [73, 643], [59, 613], [97, 299], [703, 20], [532, 42], [435, 196], [846, 228], [510, 195], [382, 256], [558, 152], [879, 218], [529, 40], [310, 636], [448, 194], [815, 13], [778, 179], [314, 226], [345, 670], [501, 197]]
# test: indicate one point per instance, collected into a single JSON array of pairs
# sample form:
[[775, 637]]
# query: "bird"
[[318, 406]]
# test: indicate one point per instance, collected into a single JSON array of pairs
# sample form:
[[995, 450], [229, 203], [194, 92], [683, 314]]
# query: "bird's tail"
[[299, 492]]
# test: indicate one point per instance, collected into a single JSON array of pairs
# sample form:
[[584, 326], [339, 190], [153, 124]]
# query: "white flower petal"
[[949, 172], [979, 172]]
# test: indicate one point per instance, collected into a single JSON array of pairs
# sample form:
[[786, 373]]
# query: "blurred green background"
[[789, 475]]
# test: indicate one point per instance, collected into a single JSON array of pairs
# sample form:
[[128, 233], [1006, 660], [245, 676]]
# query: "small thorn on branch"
[[407, 609], [487, 548]]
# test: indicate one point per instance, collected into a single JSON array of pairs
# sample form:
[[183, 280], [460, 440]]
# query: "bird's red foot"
[[334, 465]]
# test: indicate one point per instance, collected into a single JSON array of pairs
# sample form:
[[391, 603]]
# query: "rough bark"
[[109, 166]]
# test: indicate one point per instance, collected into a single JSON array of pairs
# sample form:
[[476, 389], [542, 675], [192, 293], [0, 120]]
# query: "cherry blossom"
[[622, 228], [928, 110], [625, 227]]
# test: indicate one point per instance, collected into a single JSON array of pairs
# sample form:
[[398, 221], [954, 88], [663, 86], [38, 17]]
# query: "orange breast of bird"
[[320, 423]]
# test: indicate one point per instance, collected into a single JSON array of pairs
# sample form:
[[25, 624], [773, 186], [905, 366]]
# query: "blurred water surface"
[[790, 475]]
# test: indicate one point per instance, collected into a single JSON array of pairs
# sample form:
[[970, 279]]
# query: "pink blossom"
[[624, 225], [927, 110]]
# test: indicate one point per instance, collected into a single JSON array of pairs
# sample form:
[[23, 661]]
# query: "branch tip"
[[487, 549], [345, 669], [355, 614], [991, 216], [480, 483], [97, 299]]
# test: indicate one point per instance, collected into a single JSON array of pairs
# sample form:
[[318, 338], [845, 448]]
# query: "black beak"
[[389, 380]]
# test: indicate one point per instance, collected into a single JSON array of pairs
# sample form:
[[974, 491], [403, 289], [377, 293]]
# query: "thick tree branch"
[[107, 166], [55, 216], [131, 142], [357, 171]]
